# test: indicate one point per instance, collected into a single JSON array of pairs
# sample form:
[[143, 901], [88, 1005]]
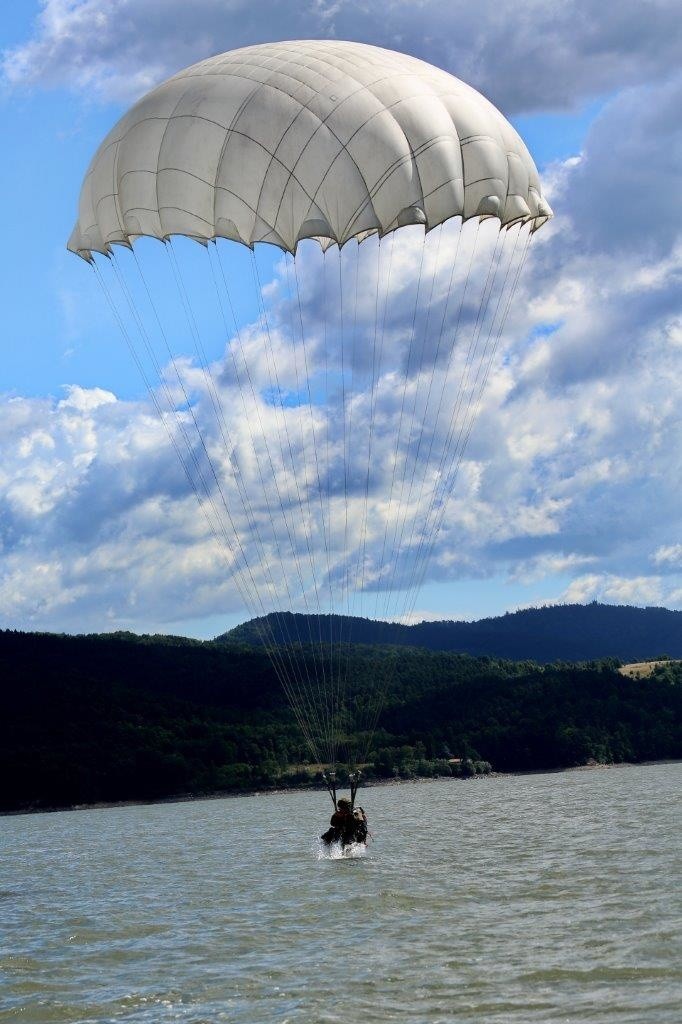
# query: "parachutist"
[[346, 826]]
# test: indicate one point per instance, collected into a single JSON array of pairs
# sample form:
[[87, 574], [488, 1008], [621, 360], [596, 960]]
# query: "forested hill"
[[569, 632], [121, 717]]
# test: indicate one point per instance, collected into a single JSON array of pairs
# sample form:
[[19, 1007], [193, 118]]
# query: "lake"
[[509, 899]]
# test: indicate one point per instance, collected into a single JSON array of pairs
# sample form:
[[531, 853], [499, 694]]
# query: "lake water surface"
[[505, 900]]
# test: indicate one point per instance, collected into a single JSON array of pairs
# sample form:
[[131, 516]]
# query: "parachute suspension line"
[[271, 365], [347, 416], [358, 587], [475, 395], [427, 402], [469, 362], [344, 428], [391, 668], [463, 379], [381, 303], [472, 348], [146, 341], [257, 604], [389, 664], [247, 417], [308, 518], [377, 569], [453, 344], [496, 333], [194, 331], [308, 388], [497, 336], [256, 404], [320, 710], [376, 381], [362, 725], [327, 477], [390, 557], [306, 367], [405, 503], [332, 495], [394, 549], [326, 332], [336, 706], [155, 402], [470, 359], [316, 645], [216, 405], [233, 568], [445, 476], [349, 435], [334, 414], [254, 398], [245, 593]]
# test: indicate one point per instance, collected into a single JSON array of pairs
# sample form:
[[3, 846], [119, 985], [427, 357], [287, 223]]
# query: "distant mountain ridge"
[[569, 632]]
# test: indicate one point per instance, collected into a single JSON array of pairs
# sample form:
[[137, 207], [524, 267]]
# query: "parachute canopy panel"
[[307, 139]]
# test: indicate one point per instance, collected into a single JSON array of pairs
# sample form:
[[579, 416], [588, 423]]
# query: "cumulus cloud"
[[669, 555], [637, 590], [574, 466], [626, 195], [525, 56], [92, 497]]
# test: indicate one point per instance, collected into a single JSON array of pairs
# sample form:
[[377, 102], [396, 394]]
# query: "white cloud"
[[524, 55], [669, 555], [101, 527], [575, 463], [85, 400], [549, 564], [637, 590]]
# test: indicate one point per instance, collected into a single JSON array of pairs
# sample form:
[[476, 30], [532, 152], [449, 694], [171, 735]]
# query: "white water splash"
[[335, 851]]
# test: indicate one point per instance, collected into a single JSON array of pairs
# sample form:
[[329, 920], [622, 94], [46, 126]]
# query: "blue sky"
[[587, 442]]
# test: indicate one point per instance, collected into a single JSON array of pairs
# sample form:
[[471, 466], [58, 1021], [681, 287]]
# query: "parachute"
[[322, 435]]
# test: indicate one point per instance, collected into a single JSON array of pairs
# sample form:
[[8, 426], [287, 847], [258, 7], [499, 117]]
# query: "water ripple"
[[534, 900]]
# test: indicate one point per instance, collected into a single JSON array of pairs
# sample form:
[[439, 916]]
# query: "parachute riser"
[[354, 786], [330, 783]]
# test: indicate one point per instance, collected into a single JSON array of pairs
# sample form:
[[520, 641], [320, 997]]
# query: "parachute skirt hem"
[[324, 241]]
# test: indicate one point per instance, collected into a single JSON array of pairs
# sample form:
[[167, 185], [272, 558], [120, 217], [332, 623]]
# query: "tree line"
[[121, 717]]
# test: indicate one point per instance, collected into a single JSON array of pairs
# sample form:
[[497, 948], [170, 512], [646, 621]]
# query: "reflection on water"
[[505, 900]]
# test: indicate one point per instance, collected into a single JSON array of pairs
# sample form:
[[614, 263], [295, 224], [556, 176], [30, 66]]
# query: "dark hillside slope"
[[88, 719], [572, 632]]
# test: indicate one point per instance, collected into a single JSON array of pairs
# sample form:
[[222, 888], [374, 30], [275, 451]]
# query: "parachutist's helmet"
[[344, 803]]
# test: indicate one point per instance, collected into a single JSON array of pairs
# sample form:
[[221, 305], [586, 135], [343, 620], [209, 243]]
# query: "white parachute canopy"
[[285, 141], [324, 440]]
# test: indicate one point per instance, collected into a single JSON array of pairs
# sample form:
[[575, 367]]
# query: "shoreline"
[[183, 798]]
